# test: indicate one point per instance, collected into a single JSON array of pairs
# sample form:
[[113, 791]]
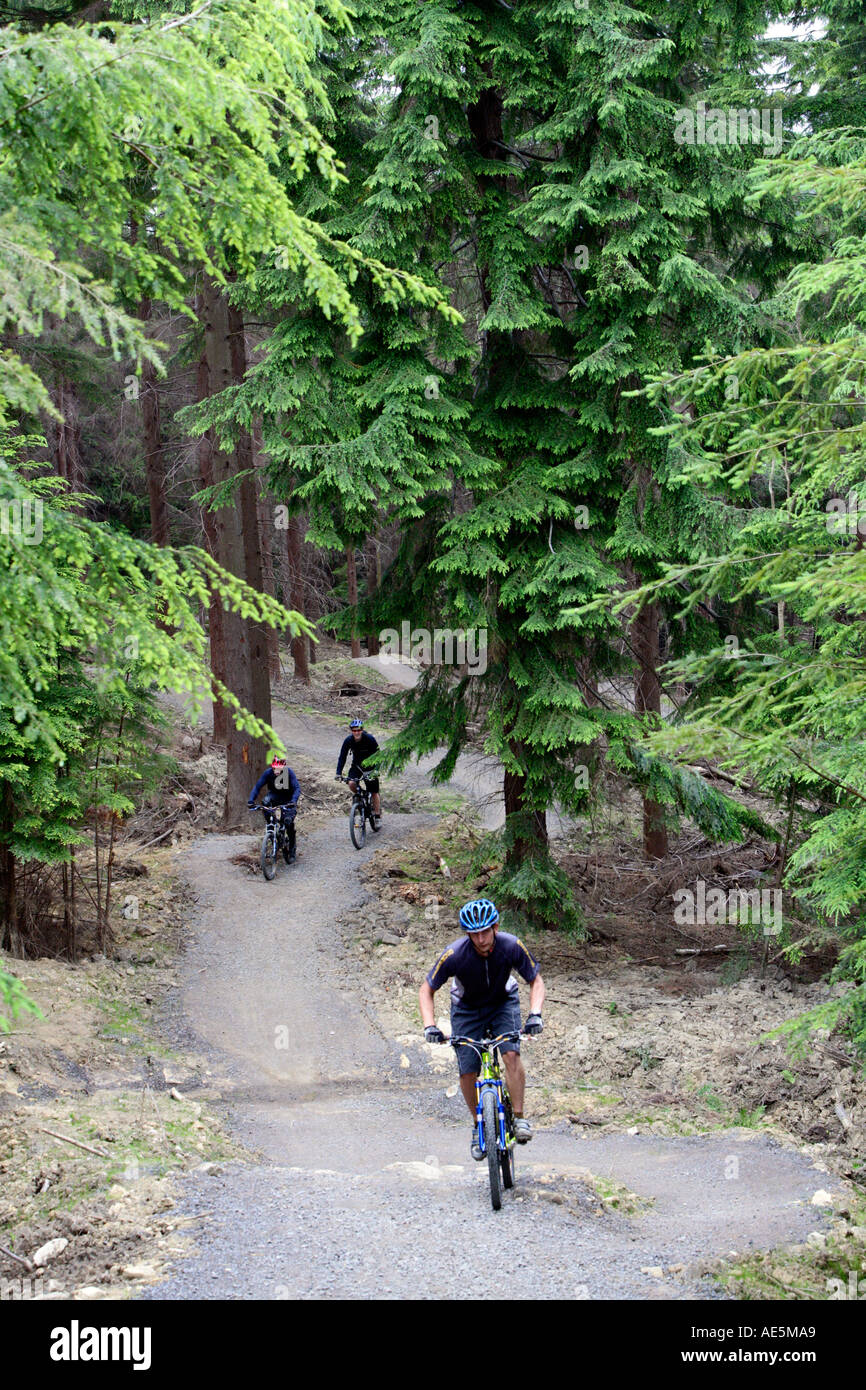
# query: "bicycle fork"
[[495, 1085]]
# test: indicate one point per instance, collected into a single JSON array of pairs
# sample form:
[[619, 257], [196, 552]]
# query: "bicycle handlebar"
[[487, 1042]]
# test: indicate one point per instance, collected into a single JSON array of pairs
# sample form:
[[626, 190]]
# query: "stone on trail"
[[49, 1251], [139, 1271], [821, 1198], [655, 1271]]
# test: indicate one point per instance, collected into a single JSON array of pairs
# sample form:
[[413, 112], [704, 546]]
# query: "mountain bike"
[[360, 812], [494, 1114], [273, 840]]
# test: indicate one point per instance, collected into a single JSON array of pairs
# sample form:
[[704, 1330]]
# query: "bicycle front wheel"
[[269, 855], [358, 825], [490, 1116]]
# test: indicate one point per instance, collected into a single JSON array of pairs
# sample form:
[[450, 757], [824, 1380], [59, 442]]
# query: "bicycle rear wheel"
[[269, 855], [358, 825], [506, 1162], [490, 1116], [506, 1159]]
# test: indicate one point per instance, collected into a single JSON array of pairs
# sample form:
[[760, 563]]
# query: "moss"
[[619, 1198], [832, 1268]]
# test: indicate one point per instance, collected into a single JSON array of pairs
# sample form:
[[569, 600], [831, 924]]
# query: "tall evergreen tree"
[[525, 161]]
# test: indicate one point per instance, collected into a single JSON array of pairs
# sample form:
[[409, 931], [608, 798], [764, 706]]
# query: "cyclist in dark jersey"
[[283, 790], [485, 1002], [360, 745]]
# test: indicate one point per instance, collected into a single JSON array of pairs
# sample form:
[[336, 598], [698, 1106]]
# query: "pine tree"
[[788, 707], [523, 161]]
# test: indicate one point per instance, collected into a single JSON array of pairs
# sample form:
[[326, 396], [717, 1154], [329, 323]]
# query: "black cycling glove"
[[533, 1024], [433, 1034]]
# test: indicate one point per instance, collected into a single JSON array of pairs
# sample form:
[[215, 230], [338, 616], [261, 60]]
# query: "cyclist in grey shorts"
[[485, 1002]]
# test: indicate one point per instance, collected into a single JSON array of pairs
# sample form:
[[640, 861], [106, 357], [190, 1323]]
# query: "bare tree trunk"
[[528, 828], [374, 579], [9, 936], [237, 549], [266, 525], [647, 700], [215, 617], [252, 572], [65, 436], [297, 597], [352, 581], [154, 452]]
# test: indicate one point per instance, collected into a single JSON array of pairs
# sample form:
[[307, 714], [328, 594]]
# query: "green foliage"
[[719, 817], [522, 161], [14, 1001], [790, 712], [84, 588], [182, 119]]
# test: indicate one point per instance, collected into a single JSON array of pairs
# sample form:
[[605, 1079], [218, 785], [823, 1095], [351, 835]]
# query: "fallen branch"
[[20, 1258], [701, 950], [148, 843], [77, 1142]]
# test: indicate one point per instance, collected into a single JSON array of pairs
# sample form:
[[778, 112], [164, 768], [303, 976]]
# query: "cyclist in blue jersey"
[[359, 746], [485, 1002], [283, 790]]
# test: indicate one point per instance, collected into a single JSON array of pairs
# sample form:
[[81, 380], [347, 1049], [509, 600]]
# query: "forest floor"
[[249, 1063]]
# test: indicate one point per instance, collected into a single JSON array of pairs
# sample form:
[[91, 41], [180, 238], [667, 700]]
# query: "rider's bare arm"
[[425, 1000], [536, 995]]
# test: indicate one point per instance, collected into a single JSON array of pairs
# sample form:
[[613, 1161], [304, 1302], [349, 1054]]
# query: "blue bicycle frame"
[[489, 1079]]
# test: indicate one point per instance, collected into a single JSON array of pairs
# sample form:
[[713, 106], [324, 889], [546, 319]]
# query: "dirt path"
[[364, 1186]]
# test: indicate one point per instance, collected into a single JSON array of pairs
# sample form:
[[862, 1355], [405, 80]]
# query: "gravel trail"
[[361, 1185]]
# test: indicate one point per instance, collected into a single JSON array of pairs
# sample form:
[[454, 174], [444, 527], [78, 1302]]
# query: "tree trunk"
[[9, 937], [65, 436], [297, 597], [374, 579], [258, 632], [237, 549], [352, 581], [154, 452], [215, 617], [266, 525], [527, 828], [648, 700]]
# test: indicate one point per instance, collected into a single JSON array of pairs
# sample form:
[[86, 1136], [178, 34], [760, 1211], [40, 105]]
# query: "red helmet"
[[278, 762]]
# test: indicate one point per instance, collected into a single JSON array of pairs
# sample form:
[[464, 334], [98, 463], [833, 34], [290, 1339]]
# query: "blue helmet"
[[357, 724], [478, 915]]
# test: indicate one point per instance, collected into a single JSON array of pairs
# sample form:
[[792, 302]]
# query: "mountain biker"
[[361, 745], [485, 1002], [283, 790]]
